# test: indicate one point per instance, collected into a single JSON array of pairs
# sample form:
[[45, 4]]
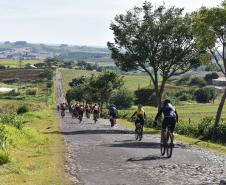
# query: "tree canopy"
[[158, 41]]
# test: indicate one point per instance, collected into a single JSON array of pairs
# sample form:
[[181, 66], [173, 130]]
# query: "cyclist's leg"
[[164, 124], [172, 124], [142, 126]]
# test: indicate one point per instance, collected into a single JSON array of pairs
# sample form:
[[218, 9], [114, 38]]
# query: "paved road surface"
[[101, 155]]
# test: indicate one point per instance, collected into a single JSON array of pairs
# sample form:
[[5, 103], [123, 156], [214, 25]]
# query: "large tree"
[[209, 26], [158, 41]]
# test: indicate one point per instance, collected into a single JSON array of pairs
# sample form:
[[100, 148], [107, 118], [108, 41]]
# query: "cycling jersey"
[[140, 112]]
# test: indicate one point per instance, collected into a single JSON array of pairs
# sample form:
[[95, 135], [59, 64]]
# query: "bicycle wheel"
[[139, 132], [169, 145], [136, 134]]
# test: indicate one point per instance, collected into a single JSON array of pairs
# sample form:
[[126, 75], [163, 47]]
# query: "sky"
[[74, 22]]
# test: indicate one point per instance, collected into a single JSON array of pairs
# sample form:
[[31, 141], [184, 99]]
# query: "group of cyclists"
[[168, 110]]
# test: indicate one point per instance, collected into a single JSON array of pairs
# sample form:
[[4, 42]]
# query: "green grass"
[[36, 153], [15, 63], [132, 82], [179, 138]]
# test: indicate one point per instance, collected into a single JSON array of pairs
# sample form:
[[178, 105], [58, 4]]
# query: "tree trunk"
[[220, 108]]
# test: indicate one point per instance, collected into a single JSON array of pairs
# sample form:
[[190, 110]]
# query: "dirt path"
[[101, 155]]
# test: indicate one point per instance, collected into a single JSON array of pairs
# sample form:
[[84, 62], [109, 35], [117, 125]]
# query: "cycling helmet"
[[139, 106], [166, 101]]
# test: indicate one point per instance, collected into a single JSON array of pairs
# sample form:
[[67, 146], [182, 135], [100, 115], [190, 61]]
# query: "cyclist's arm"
[[177, 118], [158, 114], [133, 114]]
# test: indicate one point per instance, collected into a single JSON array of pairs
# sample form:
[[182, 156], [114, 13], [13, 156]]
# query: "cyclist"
[[80, 112], [170, 118], [113, 112], [140, 113], [88, 110], [63, 107], [96, 111]]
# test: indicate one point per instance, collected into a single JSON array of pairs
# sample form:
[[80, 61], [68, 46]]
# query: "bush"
[[22, 109], [31, 92], [49, 84], [4, 157], [123, 99], [198, 81], [204, 95], [183, 81], [12, 119], [145, 96], [3, 136], [184, 95], [210, 76]]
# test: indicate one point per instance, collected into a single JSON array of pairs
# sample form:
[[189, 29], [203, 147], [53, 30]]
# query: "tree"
[[94, 88], [158, 41], [198, 81], [123, 99], [103, 85], [209, 28], [210, 76], [47, 73]]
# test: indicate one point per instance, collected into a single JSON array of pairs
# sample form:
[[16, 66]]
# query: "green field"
[[194, 111], [15, 63], [132, 82]]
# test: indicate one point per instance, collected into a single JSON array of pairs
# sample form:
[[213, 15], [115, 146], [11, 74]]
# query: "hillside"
[[14, 50]]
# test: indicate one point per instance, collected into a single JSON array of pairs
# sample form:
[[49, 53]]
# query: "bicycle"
[[95, 116], [138, 131], [62, 113], [80, 118], [112, 121], [167, 145]]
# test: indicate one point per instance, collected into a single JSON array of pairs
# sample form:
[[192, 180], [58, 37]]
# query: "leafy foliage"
[[157, 41], [122, 99]]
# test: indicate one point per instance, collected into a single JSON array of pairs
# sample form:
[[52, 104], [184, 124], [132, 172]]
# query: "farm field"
[[195, 111], [14, 63], [132, 82]]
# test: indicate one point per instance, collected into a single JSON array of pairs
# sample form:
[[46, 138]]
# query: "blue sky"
[[76, 22]]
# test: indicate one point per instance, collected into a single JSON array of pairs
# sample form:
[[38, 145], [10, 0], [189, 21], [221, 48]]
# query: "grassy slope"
[[37, 157], [14, 63]]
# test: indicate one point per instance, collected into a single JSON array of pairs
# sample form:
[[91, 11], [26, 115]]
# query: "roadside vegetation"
[[31, 149]]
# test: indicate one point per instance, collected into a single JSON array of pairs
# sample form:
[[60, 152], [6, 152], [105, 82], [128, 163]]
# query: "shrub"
[[49, 84], [145, 96], [31, 92], [122, 99], [4, 157], [12, 119], [184, 95], [210, 76], [183, 81], [198, 81], [3, 136], [22, 109], [204, 95]]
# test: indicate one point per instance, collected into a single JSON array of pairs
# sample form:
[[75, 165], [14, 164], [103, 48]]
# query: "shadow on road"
[[148, 158], [135, 145], [92, 132]]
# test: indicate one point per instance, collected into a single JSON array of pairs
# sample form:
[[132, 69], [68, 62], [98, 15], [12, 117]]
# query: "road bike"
[[167, 145], [95, 117], [138, 131], [112, 121]]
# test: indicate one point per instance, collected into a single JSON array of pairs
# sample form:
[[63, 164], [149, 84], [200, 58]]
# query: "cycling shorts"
[[169, 122]]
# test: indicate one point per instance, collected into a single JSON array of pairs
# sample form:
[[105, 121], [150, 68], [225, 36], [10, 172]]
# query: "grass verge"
[[36, 153], [180, 138]]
